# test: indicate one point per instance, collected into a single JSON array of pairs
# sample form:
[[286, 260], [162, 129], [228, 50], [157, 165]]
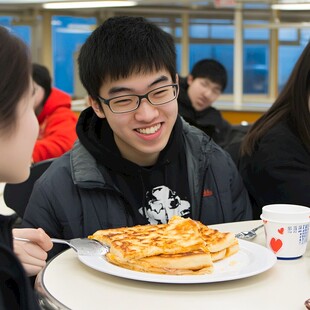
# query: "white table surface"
[[285, 286], [4, 209]]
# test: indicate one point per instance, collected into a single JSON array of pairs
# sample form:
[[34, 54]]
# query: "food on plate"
[[183, 246]]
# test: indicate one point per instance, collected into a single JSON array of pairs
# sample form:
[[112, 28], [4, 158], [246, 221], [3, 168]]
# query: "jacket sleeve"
[[242, 207], [57, 135]]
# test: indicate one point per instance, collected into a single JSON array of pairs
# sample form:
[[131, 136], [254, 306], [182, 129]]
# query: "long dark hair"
[[292, 105], [15, 67]]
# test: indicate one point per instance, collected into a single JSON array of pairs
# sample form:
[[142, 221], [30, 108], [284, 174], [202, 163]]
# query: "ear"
[[96, 107], [190, 79], [177, 82]]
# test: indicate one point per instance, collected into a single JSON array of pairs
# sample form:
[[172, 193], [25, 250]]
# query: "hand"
[[33, 254]]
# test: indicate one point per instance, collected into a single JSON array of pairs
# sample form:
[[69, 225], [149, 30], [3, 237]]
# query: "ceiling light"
[[291, 6], [87, 4]]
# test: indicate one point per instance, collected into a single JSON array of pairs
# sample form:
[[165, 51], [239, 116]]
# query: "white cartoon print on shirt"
[[162, 204]]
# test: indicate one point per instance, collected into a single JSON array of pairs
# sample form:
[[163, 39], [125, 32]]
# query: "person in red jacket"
[[56, 119]]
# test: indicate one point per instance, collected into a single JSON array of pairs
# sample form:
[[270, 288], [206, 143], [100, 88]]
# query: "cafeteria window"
[[22, 31], [68, 35]]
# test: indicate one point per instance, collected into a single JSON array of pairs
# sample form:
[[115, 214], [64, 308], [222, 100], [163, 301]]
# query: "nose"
[[207, 92], [146, 112]]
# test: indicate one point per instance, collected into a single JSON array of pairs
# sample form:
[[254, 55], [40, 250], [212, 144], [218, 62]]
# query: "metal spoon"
[[248, 235], [82, 246]]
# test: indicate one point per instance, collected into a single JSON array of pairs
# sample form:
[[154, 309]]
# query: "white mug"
[[286, 229]]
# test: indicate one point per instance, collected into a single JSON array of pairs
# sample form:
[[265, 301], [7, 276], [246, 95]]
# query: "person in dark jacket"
[[18, 132], [198, 91], [136, 161], [275, 154], [56, 119]]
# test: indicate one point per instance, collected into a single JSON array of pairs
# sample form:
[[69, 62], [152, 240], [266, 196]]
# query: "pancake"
[[183, 246]]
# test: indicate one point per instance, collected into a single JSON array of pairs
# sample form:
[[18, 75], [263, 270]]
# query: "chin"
[[21, 176]]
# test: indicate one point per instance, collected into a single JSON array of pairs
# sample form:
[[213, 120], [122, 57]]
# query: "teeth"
[[150, 130]]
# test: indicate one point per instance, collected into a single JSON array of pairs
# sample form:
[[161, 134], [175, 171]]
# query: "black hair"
[[15, 64], [292, 105], [42, 77], [122, 46], [211, 69]]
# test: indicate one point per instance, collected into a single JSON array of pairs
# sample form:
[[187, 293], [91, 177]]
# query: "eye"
[[123, 101], [216, 91], [160, 92]]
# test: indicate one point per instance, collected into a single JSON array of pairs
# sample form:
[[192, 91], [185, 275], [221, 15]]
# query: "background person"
[[56, 119], [275, 154], [136, 160], [198, 91], [18, 132]]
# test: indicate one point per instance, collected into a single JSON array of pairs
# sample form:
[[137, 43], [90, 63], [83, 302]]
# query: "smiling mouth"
[[149, 130]]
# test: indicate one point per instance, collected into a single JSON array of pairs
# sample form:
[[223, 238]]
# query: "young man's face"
[[141, 134], [202, 92]]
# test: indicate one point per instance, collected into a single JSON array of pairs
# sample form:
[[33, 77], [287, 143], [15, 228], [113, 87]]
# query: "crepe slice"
[[195, 262], [220, 244], [181, 247], [179, 236]]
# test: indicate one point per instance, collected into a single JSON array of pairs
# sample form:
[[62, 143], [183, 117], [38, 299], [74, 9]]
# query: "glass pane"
[[255, 69], [178, 32], [220, 52], [222, 32], [256, 34], [199, 31], [288, 56], [68, 34], [288, 34], [22, 31], [178, 48], [304, 36]]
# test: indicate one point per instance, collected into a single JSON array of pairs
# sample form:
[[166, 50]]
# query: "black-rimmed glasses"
[[128, 103]]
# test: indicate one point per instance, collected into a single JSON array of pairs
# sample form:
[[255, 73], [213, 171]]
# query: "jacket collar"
[[85, 172]]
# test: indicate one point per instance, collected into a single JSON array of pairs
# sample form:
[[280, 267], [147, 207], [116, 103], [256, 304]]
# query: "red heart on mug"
[[276, 244], [281, 230]]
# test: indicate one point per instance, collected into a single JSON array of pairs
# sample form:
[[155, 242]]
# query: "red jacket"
[[57, 127]]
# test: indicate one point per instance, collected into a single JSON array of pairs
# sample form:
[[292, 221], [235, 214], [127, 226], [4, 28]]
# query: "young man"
[[136, 161], [56, 119], [198, 92]]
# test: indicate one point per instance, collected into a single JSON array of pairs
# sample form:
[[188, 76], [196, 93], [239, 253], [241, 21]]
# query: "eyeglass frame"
[[140, 97]]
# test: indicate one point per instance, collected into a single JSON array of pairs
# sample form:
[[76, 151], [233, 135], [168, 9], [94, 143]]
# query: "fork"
[[83, 246], [248, 235]]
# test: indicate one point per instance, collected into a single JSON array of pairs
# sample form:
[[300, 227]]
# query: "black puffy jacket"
[[15, 287], [73, 198]]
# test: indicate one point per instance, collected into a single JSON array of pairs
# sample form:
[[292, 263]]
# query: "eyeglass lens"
[[157, 96]]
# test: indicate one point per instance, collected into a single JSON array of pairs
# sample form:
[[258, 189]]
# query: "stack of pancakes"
[[183, 246]]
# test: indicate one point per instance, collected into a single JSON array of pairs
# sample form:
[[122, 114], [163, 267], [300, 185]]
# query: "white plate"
[[251, 259]]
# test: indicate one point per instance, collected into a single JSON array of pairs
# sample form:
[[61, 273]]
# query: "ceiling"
[[192, 5]]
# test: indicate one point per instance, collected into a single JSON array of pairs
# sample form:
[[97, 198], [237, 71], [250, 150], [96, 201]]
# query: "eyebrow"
[[115, 90]]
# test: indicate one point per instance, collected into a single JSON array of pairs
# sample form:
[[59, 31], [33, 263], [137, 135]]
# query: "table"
[[4, 209], [67, 281]]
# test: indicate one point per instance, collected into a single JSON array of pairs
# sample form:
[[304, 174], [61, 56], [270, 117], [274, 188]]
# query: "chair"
[[235, 139], [16, 196]]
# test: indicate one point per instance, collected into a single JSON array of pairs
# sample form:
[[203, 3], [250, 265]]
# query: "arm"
[[58, 135], [242, 208], [32, 254]]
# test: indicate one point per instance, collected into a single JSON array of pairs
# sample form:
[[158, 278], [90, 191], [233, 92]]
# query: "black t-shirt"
[[152, 194]]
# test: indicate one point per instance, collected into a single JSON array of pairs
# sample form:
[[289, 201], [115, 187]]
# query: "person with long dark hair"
[[275, 154], [18, 133]]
